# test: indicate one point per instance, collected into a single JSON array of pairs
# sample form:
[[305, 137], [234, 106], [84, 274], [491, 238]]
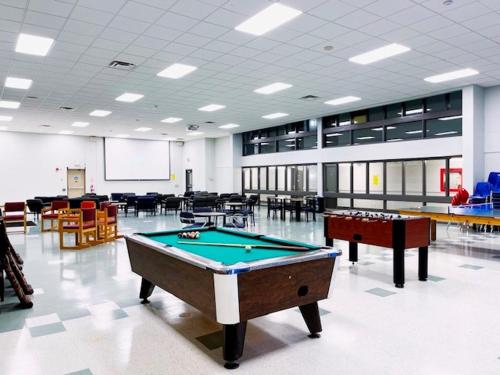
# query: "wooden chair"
[[15, 212], [87, 204], [52, 213], [82, 223], [107, 223]]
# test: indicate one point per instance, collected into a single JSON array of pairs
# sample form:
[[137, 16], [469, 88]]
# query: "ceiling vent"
[[66, 108], [309, 97], [209, 122], [193, 127], [121, 65], [46, 126], [32, 97]]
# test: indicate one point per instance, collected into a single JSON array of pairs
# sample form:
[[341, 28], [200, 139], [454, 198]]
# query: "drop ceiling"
[[153, 34]]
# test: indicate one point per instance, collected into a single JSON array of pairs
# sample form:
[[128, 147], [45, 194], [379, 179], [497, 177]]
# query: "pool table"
[[233, 284]]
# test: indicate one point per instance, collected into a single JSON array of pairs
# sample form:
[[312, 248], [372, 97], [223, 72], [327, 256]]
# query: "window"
[[329, 122], [281, 178], [255, 178], [267, 147], [400, 132], [394, 178], [300, 178], [286, 145], [414, 173], [444, 127], [359, 178], [330, 176], [413, 107], [376, 114], [291, 178], [436, 103], [263, 178], [272, 178], [344, 119], [312, 178], [251, 149], [376, 176], [433, 177], [307, 143], [359, 117], [246, 178], [337, 139], [344, 177], [394, 110], [313, 125], [456, 100], [363, 136]]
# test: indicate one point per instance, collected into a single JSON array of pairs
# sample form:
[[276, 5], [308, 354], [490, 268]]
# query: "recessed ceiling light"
[[9, 104], [175, 71], [33, 45], [211, 107], [367, 137], [143, 129], [79, 124], [5, 118], [122, 135], [268, 19], [272, 88], [272, 116], [449, 118], [195, 133], [343, 100], [129, 97], [100, 113], [18, 83], [447, 133], [66, 132], [229, 126], [171, 120], [456, 74], [379, 54]]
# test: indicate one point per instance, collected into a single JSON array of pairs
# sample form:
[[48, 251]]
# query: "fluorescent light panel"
[[229, 126], [80, 124], [273, 88], [272, 116], [212, 107], [268, 19], [447, 133], [33, 45], [334, 135], [9, 104], [379, 54], [18, 83], [100, 113], [176, 71], [129, 97], [343, 100], [367, 137], [143, 129], [449, 118], [66, 132], [5, 118], [456, 74], [195, 133], [171, 120], [414, 132]]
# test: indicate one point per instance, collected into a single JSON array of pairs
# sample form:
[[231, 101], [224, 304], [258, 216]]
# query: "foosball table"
[[394, 231]]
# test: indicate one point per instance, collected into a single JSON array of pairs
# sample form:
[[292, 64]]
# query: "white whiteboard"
[[135, 159]]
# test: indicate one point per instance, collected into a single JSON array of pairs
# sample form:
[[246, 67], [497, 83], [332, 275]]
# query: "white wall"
[[491, 130], [28, 164]]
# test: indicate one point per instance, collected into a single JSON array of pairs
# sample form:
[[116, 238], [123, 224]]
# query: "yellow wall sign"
[[376, 180], [172, 176]]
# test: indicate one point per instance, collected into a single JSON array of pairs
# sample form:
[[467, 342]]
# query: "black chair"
[[171, 203], [116, 197], [131, 201], [274, 205], [249, 210], [189, 219], [35, 206], [75, 202], [310, 208], [152, 193], [146, 203]]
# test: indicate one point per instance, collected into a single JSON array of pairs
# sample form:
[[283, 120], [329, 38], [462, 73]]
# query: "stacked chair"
[[52, 213], [15, 212], [11, 263]]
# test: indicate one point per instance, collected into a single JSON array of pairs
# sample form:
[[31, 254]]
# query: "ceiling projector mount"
[[192, 127]]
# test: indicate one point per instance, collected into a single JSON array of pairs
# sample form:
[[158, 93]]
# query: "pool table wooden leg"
[[423, 261], [353, 252], [234, 340], [310, 313], [399, 267], [146, 290]]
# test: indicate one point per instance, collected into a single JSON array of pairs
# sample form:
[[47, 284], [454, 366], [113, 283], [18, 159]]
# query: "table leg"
[[399, 267], [310, 313], [297, 211], [423, 261], [146, 290], [353, 252], [433, 230], [224, 220], [329, 241], [234, 340]]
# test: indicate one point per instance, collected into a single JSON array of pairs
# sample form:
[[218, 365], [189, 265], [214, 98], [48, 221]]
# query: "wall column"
[[472, 136]]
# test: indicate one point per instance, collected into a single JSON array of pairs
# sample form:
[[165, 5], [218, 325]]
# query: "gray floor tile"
[[73, 313], [435, 278], [212, 340], [321, 311], [47, 329], [380, 292], [471, 267], [119, 314], [80, 372]]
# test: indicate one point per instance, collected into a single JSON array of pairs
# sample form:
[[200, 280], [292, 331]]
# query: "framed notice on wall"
[[455, 179]]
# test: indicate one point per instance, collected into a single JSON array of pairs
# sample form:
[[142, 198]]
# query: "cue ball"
[[248, 248]]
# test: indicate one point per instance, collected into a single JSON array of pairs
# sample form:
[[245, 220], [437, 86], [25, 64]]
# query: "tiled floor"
[[87, 318]]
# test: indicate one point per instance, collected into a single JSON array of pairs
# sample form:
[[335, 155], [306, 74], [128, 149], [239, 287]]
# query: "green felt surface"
[[228, 255]]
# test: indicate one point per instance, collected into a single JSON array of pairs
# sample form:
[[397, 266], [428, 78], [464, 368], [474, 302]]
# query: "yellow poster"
[[172, 176], [376, 180]]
